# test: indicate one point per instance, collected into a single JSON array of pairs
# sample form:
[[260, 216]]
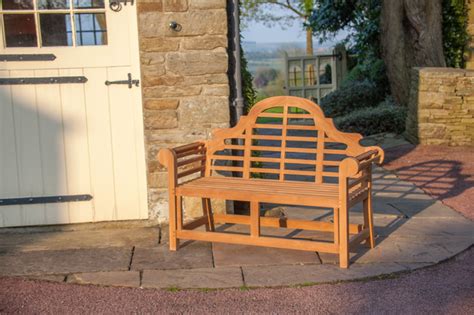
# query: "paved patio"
[[413, 231]]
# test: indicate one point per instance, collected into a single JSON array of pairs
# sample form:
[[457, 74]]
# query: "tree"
[[405, 33], [262, 11], [411, 37], [358, 18]]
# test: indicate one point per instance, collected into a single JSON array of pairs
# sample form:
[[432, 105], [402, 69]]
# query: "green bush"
[[350, 97], [386, 117], [372, 70]]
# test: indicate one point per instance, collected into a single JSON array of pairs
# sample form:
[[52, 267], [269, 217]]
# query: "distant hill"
[[250, 46]]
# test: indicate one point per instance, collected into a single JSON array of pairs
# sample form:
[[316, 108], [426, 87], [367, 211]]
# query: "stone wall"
[[184, 80], [441, 107]]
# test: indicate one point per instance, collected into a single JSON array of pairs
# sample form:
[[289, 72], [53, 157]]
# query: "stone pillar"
[[441, 107], [184, 80]]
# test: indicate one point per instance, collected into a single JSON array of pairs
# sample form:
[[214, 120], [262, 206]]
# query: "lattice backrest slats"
[[282, 138]]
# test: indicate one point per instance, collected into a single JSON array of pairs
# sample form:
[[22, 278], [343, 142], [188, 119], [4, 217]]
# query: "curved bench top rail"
[[283, 109]]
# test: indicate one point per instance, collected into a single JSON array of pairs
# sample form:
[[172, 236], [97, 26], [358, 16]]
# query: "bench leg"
[[254, 219], [369, 220], [343, 236], [336, 226], [207, 211], [174, 243]]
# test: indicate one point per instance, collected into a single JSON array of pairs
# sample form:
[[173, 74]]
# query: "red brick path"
[[446, 173]]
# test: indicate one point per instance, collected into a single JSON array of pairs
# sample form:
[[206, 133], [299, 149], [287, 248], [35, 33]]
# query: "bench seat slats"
[[264, 190]]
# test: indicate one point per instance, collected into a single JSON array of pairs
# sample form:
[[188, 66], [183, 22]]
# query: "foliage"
[[372, 70], [248, 92], [360, 18], [455, 35], [263, 11], [350, 97], [273, 88], [386, 117], [263, 76]]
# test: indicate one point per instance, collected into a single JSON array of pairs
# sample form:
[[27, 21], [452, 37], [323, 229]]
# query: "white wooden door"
[[65, 139]]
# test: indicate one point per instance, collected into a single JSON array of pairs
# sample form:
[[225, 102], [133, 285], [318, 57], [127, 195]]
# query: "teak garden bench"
[[283, 152]]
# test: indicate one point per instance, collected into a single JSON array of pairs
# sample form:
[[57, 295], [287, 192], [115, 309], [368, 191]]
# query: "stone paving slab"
[[190, 255], [110, 278], [143, 237], [404, 250], [245, 255], [65, 261], [265, 276], [212, 278], [425, 209], [443, 227]]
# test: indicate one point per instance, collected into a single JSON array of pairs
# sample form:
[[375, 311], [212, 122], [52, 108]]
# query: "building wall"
[[441, 107], [184, 81]]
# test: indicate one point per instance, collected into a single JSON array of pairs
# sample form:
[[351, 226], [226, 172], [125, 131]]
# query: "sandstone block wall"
[[184, 80], [441, 107]]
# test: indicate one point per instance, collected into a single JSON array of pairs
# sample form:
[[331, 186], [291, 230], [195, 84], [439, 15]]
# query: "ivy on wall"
[[455, 35], [248, 91]]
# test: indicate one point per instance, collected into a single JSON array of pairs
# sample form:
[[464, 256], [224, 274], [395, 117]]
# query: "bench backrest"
[[282, 138]]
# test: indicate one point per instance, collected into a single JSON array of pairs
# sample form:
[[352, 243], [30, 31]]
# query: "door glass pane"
[[53, 4], [17, 4], [91, 29], [20, 30], [56, 29], [88, 4]]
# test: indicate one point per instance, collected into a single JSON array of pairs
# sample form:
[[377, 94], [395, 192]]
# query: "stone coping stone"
[[50, 278], [109, 278], [201, 278], [268, 276], [189, 255]]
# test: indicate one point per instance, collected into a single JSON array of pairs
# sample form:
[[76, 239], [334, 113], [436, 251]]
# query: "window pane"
[[88, 4], [53, 4], [91, 29], [56, 29], [20, 30], [310, 72], [294, 74], [325, 71], [17, 4]]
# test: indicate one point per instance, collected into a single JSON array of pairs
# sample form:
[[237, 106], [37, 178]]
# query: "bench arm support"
[[182, 156]]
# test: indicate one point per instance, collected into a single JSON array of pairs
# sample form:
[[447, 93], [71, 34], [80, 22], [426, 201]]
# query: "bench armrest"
[[351, 166], [179, 160]]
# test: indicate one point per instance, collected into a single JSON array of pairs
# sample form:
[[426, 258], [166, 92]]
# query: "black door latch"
[[129, 82], [116, 5]]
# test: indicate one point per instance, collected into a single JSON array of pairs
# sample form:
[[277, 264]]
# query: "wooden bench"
[[283, 152]]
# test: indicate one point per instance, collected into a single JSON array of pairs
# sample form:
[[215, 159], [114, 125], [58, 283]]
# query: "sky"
[[260, 33]]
